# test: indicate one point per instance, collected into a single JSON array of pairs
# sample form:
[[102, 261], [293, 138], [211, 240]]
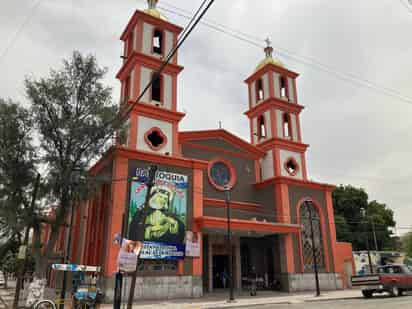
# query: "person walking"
[[253, 281]]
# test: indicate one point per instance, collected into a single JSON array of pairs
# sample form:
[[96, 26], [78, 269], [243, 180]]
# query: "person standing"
[[224, 278], [253, 281]]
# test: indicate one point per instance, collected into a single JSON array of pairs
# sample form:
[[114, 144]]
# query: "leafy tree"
[[407, 244], [17, 170], [356, 219], [74, 116], [380, 221]]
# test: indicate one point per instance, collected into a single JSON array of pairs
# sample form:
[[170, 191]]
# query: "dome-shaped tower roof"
[[153, 11], [269, 59]]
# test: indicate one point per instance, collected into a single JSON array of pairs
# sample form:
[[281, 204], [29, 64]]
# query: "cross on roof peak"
[[152, 4]]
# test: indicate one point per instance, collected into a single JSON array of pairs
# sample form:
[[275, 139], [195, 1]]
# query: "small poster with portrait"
[[192, 241], [128, 254]]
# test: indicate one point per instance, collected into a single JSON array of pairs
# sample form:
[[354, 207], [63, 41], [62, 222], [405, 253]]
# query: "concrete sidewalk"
[[220, 301]]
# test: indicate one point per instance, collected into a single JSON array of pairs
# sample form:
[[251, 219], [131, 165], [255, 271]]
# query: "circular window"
[[291, 166], [155, 138], [221, 174]]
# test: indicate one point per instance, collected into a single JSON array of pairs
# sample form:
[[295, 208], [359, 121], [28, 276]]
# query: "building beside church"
[[271, 195]]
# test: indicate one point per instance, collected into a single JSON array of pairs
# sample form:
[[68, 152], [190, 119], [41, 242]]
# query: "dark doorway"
[[220, 271], [270, 268]]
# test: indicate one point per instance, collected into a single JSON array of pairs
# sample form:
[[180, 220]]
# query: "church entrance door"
[[220, 271]]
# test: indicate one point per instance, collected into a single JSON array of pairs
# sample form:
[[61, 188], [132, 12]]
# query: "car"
[[393, 279]]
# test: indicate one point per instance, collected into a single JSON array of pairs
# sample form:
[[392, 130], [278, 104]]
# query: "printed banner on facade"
[[192, 242], [162, 251], [150, 251], [76, 267], [166, 217]]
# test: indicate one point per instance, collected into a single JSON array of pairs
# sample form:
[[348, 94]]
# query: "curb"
[[332, 299], [251, 304]]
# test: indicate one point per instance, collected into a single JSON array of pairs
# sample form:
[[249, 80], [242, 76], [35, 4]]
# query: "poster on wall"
[[127, 258], [165, 224], [192, 242]]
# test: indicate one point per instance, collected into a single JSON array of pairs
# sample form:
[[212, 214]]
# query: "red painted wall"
[[343, 255]]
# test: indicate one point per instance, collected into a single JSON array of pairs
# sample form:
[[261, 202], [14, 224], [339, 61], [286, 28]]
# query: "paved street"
[[375, 303]]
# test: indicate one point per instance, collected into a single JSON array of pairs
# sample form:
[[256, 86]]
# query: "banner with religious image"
[[165, 224]]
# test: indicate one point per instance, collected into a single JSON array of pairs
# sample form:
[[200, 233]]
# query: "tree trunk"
[[40, 258], [5, 281]]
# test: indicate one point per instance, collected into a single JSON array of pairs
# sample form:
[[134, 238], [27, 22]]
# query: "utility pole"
[[22, 267], [140, 229], [229, 241], [315, 260], [67, 256], [365, 214], [374, 234], [118, 283]]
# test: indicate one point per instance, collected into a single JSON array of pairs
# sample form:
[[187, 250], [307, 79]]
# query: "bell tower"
[[153, 122], [274, 114]]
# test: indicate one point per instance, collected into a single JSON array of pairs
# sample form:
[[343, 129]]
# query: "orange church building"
[[271, 195]]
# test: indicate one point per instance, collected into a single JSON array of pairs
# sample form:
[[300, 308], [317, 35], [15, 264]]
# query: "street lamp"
[[229, 241]]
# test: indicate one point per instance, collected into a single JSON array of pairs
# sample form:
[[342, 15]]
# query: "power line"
[[261, 214], [20, 29], [406, 5], [123, 115], [252, 40], [190, 27]]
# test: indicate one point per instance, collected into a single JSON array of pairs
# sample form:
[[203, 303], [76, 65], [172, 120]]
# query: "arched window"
[[158, 42], [287, 126], [283, 88], [307, 212], [261, 127], [126, 90], [157, 88], [129, 45], [259, 90]]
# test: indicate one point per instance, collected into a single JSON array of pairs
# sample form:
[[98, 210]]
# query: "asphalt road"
[[380, 302]]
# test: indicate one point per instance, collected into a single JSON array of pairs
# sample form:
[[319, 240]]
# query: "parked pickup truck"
[[394, 279]]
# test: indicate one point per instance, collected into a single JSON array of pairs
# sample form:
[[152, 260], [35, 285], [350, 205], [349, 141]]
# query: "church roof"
[[222, 134], [155, 13], [269, 59]]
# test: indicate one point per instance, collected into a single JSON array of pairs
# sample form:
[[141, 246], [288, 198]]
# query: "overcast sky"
[[357, 135]]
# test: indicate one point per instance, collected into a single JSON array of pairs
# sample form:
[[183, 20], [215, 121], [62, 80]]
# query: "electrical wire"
[[309, 61], [182, 39], [262, 215], [406, 5], [123, 115], [20, 29]]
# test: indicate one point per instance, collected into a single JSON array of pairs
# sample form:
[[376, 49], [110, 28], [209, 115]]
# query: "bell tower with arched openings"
[[153, 123], [273, 113]]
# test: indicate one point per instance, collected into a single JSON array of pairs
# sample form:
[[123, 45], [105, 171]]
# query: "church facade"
[[272, 201]]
